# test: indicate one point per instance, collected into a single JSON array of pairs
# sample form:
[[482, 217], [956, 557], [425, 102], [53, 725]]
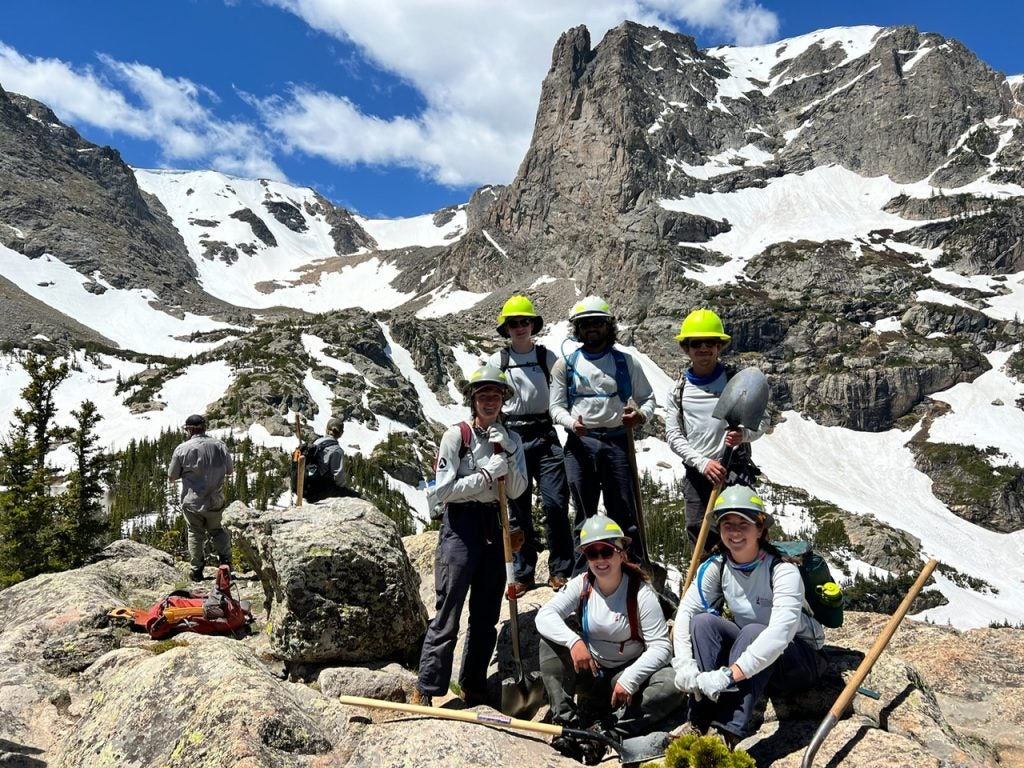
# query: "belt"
[[529, 421], [602, 433], [460, 504]]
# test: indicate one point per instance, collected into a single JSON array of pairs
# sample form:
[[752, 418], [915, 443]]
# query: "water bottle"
[[830, 593]]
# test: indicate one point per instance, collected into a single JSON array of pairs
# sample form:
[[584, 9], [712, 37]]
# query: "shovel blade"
[[522, 697], [640, 749], [744, 399]]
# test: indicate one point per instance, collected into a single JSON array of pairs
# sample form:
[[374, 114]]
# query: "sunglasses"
[[698, 343], [591, 322], [599, 552], [518, 322]]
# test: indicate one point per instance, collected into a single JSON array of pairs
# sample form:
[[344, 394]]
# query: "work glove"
[[516, 539], [498, 435], [496, 466], [686, 676], [712, 684]]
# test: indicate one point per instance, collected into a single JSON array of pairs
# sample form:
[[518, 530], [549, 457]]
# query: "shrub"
[[692, 751]]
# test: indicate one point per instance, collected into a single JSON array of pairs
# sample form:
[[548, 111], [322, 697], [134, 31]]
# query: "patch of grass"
[[162, 646]]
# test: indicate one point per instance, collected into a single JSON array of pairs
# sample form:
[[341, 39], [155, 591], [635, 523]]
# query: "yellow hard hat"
[[702, 324], [518, 306]]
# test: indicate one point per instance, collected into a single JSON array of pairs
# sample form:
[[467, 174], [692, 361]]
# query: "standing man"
[[325, 473], [528, 368], [201, 463], [693, 433], [590, 392]]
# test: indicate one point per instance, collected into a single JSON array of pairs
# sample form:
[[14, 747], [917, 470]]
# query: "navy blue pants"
[[718, 642], [599, 466], [545, 467], [470, 560], [697, 491]]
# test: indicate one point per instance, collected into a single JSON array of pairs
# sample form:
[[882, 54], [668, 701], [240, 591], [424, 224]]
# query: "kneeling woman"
[[614, 673], [770, 637]]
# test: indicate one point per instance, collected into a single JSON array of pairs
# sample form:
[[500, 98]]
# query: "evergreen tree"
[[81, 528]]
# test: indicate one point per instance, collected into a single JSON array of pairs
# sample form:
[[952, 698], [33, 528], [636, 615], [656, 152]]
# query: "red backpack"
[[217, 613]]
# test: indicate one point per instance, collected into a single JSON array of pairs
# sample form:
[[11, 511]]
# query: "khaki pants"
[[200, 526]]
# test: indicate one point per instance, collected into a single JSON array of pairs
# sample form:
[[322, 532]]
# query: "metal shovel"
[[741, 404], [865, 666], [521, 695], [633, 750]]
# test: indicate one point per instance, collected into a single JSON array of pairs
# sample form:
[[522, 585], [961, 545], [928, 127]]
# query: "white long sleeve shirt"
[[528, 382], [608, 632], [755, 597], [693, 433], [461, 479], [596, 376]]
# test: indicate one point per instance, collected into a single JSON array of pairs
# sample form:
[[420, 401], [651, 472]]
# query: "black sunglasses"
[[698, 343], [599, 552], [591, 322], [518, 322]]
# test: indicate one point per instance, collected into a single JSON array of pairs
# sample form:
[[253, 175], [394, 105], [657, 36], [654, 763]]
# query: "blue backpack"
[[623, 384]]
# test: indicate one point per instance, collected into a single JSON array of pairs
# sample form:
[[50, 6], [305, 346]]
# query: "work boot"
[[557, 582], [196, 574], [421, 699], [473, 699], [568, 746]]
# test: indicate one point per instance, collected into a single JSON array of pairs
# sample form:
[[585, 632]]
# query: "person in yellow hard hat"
[[691, 430], [528, 368]]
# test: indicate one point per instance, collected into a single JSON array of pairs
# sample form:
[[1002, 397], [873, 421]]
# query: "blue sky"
[[388, 108]]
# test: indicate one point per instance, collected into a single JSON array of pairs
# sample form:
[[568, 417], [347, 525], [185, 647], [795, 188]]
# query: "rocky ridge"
[[79, 690]]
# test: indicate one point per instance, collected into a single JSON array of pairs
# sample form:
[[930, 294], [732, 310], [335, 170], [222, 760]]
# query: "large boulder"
[[337, 582]]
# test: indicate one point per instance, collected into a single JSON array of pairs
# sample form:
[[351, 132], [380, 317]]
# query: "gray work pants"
[[717, 643], [200, 526], [579, 700]]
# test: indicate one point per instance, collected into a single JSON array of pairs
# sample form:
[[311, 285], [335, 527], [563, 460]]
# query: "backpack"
[[542, 361], [814, 572], [623, 384], [433, 505], [317, 482], [742, 469], [217, 613]]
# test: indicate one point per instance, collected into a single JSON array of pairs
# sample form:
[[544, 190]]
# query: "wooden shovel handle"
[[465, 715]]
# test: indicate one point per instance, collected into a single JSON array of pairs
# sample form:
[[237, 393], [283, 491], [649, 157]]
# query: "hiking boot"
[[728, 738], [557, 582], [521, 587], [474, 699], [421, 699], [568, 746], [196, 574], [593, 751]]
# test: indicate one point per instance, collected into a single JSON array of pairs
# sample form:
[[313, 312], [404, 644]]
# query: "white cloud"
[[167, 111], [479, 66]]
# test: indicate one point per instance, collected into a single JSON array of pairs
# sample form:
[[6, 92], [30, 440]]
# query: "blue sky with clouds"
[[388, 107]]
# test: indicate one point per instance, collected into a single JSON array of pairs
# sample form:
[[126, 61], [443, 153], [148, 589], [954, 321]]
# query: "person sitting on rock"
[[470, 556], [328, 479], [610, 670], [770, 638]]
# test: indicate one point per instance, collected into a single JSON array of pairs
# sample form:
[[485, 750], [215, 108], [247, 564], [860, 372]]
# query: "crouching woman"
[[611, 669], [728, 664]]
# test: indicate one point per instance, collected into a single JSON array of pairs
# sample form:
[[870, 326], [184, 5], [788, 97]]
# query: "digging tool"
[[301, 460], [865, 666], [668, 601], [521, 695], [741, 404], [634, 750]]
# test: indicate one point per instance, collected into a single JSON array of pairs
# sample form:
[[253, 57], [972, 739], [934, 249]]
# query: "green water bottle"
[[831, 594]]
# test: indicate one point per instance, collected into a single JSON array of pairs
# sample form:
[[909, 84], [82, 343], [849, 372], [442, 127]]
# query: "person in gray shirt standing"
[[201, 463]]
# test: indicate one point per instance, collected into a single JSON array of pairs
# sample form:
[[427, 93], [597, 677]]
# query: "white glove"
[[498, 435], [686, 676], [496, 466], [712, 684]]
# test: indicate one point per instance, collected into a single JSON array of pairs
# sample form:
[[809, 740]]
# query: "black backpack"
[[542, 361], [317, 482]]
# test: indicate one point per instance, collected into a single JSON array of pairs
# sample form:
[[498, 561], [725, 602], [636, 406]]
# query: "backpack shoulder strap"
[[570, 376], [633, 606], [467, 438], [708, 608], [623, 383], [503, 359], [542, 361]]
